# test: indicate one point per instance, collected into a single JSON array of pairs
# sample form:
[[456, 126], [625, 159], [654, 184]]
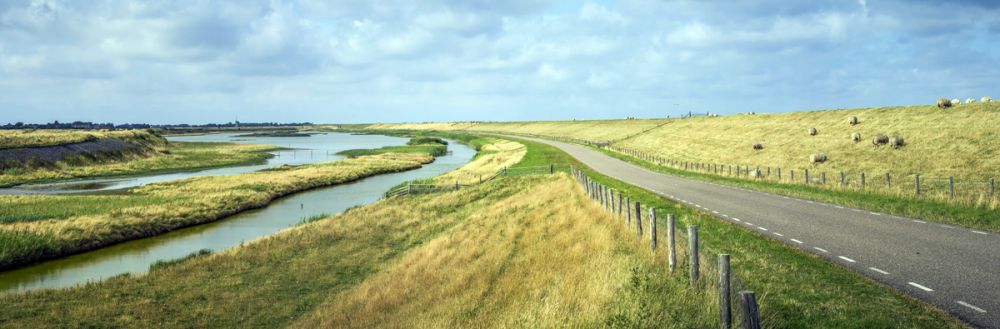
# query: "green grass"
[[430, 146]]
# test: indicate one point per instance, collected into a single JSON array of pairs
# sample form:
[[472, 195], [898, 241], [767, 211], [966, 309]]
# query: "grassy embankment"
[[957, 142], [39, 227], [155, 155], [285, 133], [522, 251]]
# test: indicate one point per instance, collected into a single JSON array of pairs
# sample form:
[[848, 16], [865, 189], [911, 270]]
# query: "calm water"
[[136, 256], [318, 148]]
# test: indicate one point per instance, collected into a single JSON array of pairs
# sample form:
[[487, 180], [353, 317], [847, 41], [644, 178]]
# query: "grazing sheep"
[[880, 139], [856, 137], [817, 158], [969, 100], [897, 142], [985, 99], [955, 101], [943, 103], [853, 120], [756, 173], [758, 146], [812, 131]]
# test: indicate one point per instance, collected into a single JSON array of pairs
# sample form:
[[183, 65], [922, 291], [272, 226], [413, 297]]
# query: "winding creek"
[[136, 256]]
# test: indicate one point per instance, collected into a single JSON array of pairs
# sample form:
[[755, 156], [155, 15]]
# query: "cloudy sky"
[[438, 60]]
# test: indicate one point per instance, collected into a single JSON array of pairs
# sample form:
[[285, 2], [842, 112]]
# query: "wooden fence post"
[[793, 175], [748, 306], [916, 183], [992, 187], [951, 186], [843, 179], [671, 245], [652, 228], [693, 244], [628, 212], [621, 201], [862, 180], [638, 220], [807, 176], [505, 170], [725, 312], [552, 168], [779, 173], [888, 181], [823, 178]]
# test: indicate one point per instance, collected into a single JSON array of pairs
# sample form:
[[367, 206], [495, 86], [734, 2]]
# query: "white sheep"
[[955, 101], [986, 99], [969, 100]]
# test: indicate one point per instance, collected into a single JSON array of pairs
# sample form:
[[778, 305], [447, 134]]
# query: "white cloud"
[[449, 59]]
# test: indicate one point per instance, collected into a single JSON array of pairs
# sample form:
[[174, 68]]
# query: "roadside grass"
[[175, 156], [158, 208], [872, 199], [795, 289]]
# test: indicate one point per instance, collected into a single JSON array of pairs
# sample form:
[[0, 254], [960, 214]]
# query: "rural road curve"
[[954, 268]]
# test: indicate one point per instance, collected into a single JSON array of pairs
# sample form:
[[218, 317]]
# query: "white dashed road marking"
[[921, 287], [979, 232], [763, 229], [820, 249], [878, 270], [797, 241], [973, 307], [778, 234], [847, 259]]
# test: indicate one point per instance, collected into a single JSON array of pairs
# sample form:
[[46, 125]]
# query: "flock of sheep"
[[946, 103], [895, 141]]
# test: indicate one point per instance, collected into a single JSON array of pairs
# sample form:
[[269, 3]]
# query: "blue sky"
[[449, 60]]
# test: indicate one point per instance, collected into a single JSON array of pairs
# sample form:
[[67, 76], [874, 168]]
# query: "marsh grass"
[[433, 146], [176, 156], [78, 223], [51, 137]]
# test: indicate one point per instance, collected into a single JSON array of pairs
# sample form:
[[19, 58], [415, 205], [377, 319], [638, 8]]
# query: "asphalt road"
[[954, 268]]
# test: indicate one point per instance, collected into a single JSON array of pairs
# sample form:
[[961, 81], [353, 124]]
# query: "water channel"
[[136, 256]]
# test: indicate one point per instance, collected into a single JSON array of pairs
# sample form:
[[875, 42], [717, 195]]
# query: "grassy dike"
[[527, 251], [40, 227]]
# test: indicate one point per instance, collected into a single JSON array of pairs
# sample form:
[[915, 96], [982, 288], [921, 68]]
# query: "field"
[[529, 251], [35, 228]]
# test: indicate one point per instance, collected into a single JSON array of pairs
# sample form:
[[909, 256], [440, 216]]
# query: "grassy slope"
[[44, 227], [175, 156], [35, 138]]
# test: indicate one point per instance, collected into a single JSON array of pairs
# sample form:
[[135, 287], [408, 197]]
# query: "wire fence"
[[682, 257]]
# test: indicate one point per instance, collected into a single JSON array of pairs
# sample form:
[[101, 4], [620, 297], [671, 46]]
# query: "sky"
[[354, 61]]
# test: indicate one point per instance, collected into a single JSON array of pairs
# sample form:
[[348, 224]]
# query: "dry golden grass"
[[492, 157], [31, 138], [423, 126], [545, 257], [185, 202]]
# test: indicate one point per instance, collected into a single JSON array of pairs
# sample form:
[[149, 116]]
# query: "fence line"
[[946, 189], [604, 195]]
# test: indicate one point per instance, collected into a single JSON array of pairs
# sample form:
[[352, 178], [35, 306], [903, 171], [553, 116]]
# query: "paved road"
[[955, 268]]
